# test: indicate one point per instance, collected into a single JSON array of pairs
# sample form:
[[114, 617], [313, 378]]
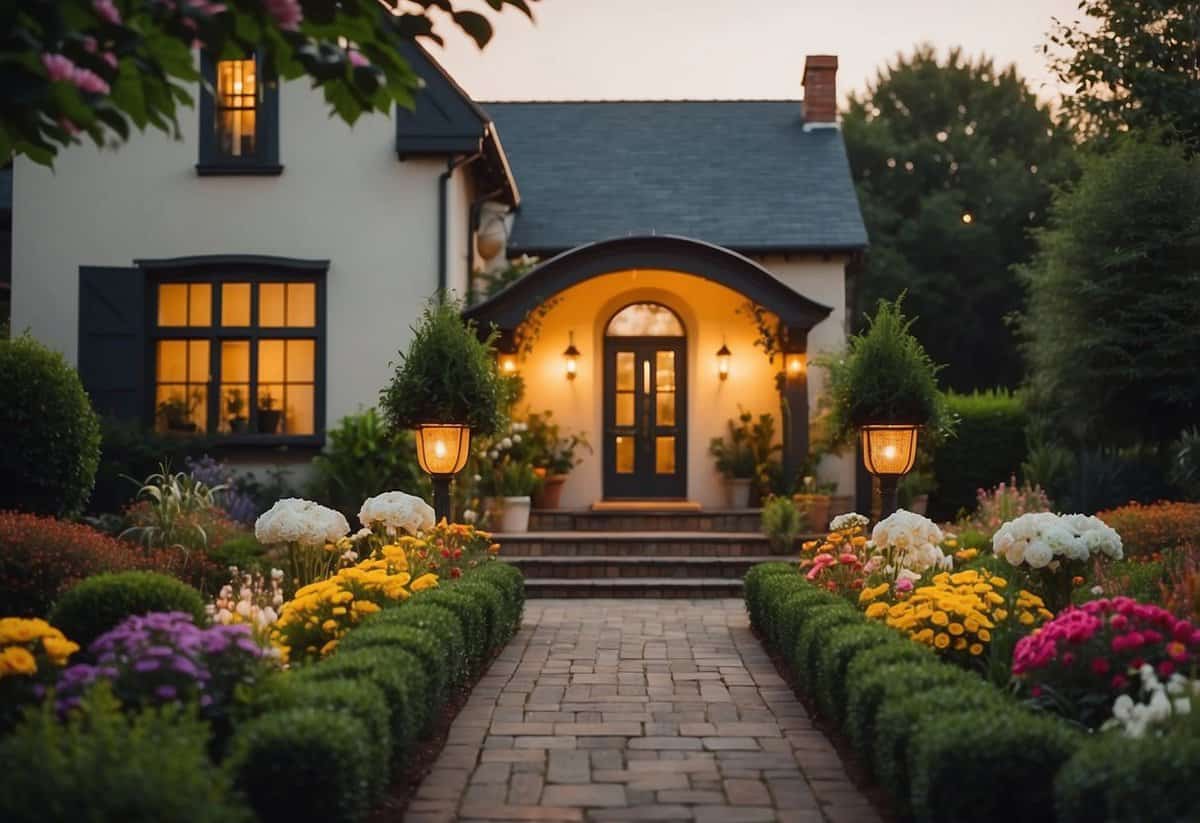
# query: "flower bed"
[[946, 743]]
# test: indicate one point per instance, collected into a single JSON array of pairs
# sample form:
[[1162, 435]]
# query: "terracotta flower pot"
[[816, 507], [549, 496]]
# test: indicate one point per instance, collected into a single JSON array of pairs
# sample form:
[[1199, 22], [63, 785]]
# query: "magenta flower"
[[58, 67], [287, 13], [357, 59], [88, 81], [106, 11]]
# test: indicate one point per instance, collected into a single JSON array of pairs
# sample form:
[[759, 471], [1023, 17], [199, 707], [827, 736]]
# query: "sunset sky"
[[651, 49]]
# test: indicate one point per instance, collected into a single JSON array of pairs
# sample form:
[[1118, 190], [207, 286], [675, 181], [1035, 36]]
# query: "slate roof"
[[741, 174]]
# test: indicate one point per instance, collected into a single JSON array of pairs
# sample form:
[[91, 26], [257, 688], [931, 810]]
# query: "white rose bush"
[[1056, 547], [396, 513], [909, 545]]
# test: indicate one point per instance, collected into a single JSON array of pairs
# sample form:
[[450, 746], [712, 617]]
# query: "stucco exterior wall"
[[710, 315], [343, 195]]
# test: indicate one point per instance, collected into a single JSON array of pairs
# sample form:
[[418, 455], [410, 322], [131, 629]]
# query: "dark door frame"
[[645, 483]]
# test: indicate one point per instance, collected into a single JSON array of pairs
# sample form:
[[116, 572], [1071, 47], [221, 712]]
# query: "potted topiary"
[[736, 461], [448, 389], [269, 417], [884, 388], [235, 407]]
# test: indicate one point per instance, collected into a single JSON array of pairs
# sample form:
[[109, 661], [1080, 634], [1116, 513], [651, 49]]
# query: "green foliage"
[[132, 450], [551, 450], [357, 699], [979, 144], [493, 606], [1116, 268], [140, 58], [869, 688], [51, 435], [885, 376], [754, 586], [1185, 463], [899, 720], [1142, 780], [398, 675], [833, 655], [363, 458], [422, 644], [516, 480], [734, 455], [511, 583], [790, 612], [104, 765], [1014, 754], [176, 502], [988, 447], [304, 764], [438, 621], [1132, 66], [243, 551], [448, 375], [101, 602], [470, 613], [812, 633], [782, 523]]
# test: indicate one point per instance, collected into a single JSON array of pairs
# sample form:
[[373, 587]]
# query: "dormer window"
[[239, 119]]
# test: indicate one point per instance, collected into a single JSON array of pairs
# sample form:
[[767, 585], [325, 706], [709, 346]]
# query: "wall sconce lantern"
[[723, 356], [508, 364], [889, 452], [571, 358], [442, 451], [795, 365]]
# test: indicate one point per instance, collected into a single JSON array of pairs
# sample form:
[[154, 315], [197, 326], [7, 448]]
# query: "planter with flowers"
[[553, 454], [735, 460]]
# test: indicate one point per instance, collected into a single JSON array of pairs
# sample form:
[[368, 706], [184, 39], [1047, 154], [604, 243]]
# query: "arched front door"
[[645, 404]]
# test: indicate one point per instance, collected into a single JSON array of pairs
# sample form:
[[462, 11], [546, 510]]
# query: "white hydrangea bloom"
[[1040, 538], [849, 520], [303, 522], [913, 540], [396, 512]]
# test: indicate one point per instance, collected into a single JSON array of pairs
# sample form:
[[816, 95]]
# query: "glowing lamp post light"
[[442, 451], [724, 355], [571, 358], [889, 451]]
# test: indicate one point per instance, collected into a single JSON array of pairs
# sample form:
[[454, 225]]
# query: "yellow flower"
[[975, 649], [924, 636], [941, 641], [329, 647], [984, 635], [365, 607], [59, 648], [1045, 614], [1000, 614], [1026, 619], [939, 619], [960, 643], [338, 611], [425, 581], [877, 610], [955, 629], [17, 660], [808, 545], [330, 626]]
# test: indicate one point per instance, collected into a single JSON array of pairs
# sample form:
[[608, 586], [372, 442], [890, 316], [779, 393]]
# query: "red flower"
[[456, 572], [1100, 665], [1119, 682]]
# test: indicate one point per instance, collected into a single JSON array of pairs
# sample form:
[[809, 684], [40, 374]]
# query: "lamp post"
[[442, 451], [889, 451]]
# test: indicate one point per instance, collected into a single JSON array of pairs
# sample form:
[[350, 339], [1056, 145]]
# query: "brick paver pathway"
[[608, 710]]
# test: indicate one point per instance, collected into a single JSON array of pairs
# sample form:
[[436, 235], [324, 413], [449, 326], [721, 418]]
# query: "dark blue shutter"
[[112, 340]]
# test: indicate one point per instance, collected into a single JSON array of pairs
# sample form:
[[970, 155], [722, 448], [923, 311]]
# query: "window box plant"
[[235, 407], [269, 417], [176, 413]]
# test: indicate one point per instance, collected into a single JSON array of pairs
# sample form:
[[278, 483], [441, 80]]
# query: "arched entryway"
[[645, 404]]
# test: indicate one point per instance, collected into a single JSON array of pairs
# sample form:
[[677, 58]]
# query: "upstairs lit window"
[[239, 119]]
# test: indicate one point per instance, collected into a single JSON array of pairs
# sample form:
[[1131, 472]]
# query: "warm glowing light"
[[889, 449], [968, 218], [508, 364], [443, 448], [571, 358], [795, 364], [723, 357]]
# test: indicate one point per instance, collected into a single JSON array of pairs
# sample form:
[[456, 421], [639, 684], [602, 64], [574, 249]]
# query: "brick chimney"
[[820, 90]]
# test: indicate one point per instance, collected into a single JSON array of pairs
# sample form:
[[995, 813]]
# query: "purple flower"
[[165, 692], [146, 666]]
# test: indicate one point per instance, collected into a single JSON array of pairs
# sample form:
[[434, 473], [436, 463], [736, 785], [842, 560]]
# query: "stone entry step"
[[646, 520], [612, 568], [633, 544], [639, 587]]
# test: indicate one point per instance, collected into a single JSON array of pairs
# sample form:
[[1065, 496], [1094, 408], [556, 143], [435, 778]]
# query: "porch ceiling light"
[[571, 357], [723, 357]]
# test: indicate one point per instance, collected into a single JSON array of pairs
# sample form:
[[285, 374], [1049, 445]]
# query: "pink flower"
[[847, 559], [1119, 682], [106, 11], [58, 67], [68, 126], [1100, 665], [904, 585], [357, 59], [89, 44], [287, 13], [88, 81], [110, 58], [1166, 668]]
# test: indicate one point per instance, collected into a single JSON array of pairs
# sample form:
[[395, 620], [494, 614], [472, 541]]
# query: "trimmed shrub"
[[358, 699], [868, 688], [401, 678], [421, 643], [754, 588], [438, 621], [101, 602], [1146, 529], [897, 721], [40, 558], [1114, 777], [988, 448], [817, 625], [511, 582], [304, 765], [470, 613], [103, 765], [495, 610], [794, 609], [835, 653], [773, 590], [1014, 753], [51, 434]]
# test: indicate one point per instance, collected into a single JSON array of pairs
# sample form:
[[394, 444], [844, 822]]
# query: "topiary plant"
[[101, 602], [884, 376], [51, 434], [448, 375]]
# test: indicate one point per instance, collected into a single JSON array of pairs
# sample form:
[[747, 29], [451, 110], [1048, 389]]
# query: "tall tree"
[[1114, 300], [98, 68], [954, 163], [1134, 65]]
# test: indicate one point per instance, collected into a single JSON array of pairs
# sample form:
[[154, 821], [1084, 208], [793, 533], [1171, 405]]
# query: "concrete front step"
[[646, 520], [671, 587], [633, 568], [632, 544]]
